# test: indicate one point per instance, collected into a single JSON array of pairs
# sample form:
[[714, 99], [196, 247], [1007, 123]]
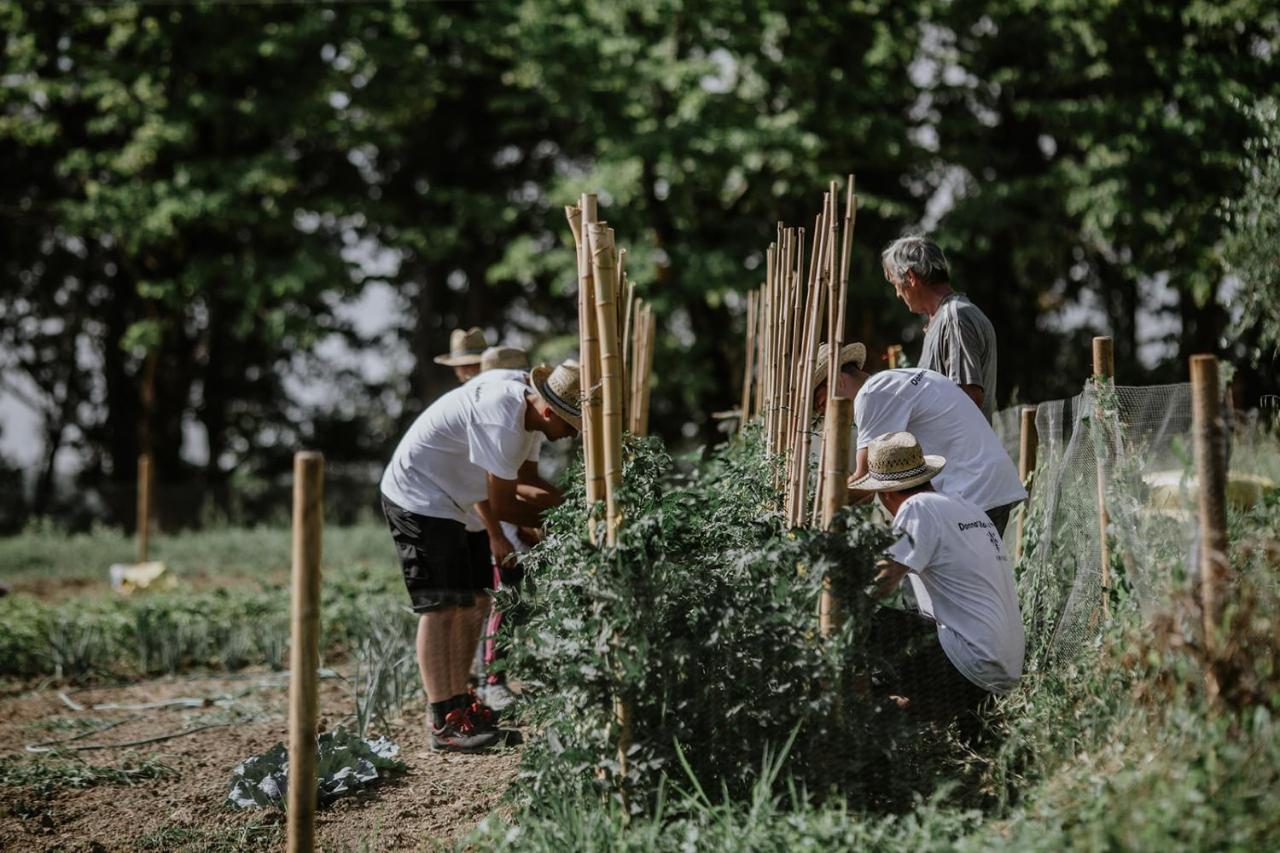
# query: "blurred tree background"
[[231, 230]]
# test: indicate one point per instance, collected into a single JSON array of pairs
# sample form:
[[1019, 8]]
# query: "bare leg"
[[466, 632], [435, 630]]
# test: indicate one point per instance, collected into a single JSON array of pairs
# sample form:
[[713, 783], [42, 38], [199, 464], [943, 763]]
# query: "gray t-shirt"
[[960, 343]]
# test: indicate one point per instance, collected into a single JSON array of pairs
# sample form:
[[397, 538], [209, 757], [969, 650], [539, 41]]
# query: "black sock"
[[462, 701], [439, 710]]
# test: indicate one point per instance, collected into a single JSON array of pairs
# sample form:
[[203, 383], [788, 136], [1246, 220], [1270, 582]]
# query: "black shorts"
[[444, 565], [909, 662]]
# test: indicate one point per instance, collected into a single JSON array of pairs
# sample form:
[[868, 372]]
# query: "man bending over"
[[463, 455]]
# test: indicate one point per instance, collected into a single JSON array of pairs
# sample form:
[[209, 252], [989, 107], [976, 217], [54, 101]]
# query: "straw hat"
[[465, 347], [896, 462], [560, 388], [507, 358], [857, 353]]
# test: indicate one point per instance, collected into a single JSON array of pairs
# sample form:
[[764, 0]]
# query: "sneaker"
[[459, 734], [481, 716], [498, 697]]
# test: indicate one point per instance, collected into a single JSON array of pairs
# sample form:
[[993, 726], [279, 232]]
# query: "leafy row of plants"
[[165, 633], [702, 622]]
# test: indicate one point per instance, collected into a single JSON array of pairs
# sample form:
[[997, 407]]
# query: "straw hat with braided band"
[[560, 388], [856, 353], [896, 462], [507, 358], [465, 347]]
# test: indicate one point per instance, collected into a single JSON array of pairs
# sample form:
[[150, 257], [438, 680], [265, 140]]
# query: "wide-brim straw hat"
[[504, 358], [561, 388], [896, 462], [856, 353], [466, 346]]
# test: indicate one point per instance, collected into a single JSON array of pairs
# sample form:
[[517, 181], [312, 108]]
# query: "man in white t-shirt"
[[938, 413], [460, 461], [967, 641]]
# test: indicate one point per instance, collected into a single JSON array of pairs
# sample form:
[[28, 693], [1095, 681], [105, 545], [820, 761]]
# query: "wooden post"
[[143, 520], [1211, 482], [604, 268], [1028, 444], [1104, 368], [835, 475], [895, 351], [304, 652], [628, 352]]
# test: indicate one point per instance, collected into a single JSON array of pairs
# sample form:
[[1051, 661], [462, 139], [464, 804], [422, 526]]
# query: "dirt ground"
[[436, 803]]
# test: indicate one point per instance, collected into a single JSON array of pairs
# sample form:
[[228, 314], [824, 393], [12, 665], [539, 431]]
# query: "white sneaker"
[[498, 697]]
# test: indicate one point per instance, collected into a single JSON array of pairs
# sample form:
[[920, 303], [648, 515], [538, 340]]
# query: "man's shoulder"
[[962, 311]]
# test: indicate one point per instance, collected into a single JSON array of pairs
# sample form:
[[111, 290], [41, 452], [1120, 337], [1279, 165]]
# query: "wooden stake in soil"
[[1211, 480], [1027, 445], [143, 521], [604, 269], [646, 389], [304, 650], [1104, 369], [835, 474]]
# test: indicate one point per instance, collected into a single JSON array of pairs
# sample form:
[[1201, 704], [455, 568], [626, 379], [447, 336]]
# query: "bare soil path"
[[437, 802]]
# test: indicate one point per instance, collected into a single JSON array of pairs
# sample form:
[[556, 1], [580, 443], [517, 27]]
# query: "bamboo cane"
[[757, 397], [846, 254], [805, 403], [748, 361], [604, 269], [592, 451], [646, 389], [628, 352], [766, 352], [835, 474], [304, 649], [1104, 367]]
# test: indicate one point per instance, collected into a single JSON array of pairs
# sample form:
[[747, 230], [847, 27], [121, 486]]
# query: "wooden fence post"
[[304, 652], [895, 350], [835, 473], [1104, 368], [1211, 479], [1028, 444], [143, 520]]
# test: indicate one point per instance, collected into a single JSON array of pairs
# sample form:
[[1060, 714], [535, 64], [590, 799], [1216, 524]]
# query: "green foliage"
[[164, 633], [702, 622], [51, 771], [1254, 235]]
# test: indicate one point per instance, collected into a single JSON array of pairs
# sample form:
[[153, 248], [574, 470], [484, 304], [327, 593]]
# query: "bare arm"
[[506, 503], [532, 488], [860, 468], [975, 393], [499, 545], [890, 575]]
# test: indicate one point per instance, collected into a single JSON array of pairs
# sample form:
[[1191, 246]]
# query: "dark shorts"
[[910, 662], [443, 564]]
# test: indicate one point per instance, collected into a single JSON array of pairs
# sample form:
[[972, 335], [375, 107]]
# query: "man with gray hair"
[[959, 340]]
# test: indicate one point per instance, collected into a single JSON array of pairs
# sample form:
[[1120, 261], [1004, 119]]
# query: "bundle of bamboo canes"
[[784, 329]]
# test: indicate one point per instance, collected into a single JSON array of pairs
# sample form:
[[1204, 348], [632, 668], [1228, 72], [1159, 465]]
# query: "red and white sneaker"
[[481, 716], [459, 734]]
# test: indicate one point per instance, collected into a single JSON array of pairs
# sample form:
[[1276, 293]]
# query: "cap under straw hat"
[[856, 353], [561, 389], [896, 462], [506, 358], [465, 347]]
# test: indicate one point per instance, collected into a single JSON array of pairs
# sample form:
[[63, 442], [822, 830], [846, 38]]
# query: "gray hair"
[[919, 255]]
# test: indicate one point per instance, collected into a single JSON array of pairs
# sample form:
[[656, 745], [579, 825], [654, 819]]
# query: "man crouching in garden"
[[966, 642], [465, 452]]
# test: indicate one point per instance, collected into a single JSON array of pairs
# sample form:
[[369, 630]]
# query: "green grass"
[[256, 834], [52, 770], [257, 553]]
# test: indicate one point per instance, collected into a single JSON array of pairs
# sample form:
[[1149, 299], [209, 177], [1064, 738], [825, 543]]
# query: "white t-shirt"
[[962, 579], [439, 467], [946, 422]]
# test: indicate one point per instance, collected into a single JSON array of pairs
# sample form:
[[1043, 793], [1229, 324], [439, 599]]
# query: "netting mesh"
[[1139, 438]]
